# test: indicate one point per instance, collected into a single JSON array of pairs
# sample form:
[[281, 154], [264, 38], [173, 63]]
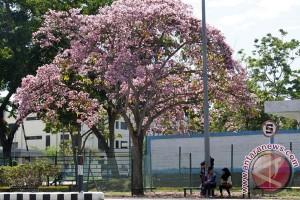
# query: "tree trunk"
[[137, 164], [6, 139], [108, 149], [7, 153], [112, 162]]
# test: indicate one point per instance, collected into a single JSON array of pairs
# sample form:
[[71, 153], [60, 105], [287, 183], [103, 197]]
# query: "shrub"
[[58, 188], [29, 175]]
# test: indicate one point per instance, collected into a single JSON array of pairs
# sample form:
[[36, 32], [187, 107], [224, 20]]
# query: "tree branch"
[[172, 54]]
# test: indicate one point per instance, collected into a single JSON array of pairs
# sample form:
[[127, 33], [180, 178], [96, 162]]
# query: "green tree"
[[18, 56], [272, 75]]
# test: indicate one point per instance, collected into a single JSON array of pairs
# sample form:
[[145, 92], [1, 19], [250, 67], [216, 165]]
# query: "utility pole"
[[205, 87]]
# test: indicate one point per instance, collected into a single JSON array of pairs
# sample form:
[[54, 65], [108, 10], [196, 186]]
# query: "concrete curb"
[[51, 196]]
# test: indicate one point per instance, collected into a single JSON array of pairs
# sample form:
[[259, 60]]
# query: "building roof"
[[287, 108]]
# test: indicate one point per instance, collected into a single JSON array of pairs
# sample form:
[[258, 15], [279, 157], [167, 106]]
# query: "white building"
[[31, 135]]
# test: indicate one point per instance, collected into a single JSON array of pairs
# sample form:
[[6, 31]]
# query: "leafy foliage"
[[270, 67], [151, 68], [272, 74], [29, 175], [18, 55]]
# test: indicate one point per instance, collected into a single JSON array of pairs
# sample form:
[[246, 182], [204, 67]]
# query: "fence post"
[[55, 163], [80, 173], [179, 160], [131, 160], [231, 158], [48, 181], [55, 159], [89, 168], [190, 178], [150, 163], [10, 161]]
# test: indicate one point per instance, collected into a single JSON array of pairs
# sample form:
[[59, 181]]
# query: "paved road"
[[146, 198]]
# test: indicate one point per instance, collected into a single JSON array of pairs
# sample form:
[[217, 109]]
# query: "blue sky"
[[241, 21]]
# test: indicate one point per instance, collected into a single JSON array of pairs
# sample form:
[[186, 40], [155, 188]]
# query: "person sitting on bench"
[[226, 182], [202, 170], [202, 173], [209, 183]]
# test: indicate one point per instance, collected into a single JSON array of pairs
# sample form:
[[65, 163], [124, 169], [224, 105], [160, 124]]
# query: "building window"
[[124, 145], [123, 126], [117, 144], [64, 137], [11, 126], [99, 144], [14, 145], [47, 140], [31, 118], [37, 137], [117, 125]]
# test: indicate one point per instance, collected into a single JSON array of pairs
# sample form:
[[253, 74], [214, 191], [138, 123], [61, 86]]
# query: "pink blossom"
[[144, 54]]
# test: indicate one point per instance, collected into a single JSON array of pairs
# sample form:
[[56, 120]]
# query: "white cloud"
[[292, 28], [223, 3], [245, 11], [274, 8], [258, 11], [243, 20], [232, 20]]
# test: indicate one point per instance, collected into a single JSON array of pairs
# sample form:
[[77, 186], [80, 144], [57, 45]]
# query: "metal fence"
[[98, 171], [167, 163], [174, 161]]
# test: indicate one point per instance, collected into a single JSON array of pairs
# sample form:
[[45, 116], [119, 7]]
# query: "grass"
[[117, 194], [236, 191], [176, 192]]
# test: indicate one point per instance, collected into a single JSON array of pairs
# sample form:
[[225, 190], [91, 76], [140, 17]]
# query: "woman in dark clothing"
[[226, 182]]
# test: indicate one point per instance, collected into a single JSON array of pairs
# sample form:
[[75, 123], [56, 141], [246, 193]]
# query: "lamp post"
[[205, 88]]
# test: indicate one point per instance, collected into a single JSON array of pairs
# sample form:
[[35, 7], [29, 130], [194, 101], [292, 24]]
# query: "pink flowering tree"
[[62, 108], [145, 56], [46, 94]]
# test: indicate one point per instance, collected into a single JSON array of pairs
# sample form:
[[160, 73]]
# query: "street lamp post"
[[205, 88]]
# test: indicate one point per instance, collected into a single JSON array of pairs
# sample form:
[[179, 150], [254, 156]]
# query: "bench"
[[71, 183], [195, 188], [149, 188]]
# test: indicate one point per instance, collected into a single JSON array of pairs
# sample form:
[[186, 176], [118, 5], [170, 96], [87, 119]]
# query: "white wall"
[[165, 149]]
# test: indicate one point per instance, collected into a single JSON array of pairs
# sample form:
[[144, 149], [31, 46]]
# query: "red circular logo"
[[271, 171]]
